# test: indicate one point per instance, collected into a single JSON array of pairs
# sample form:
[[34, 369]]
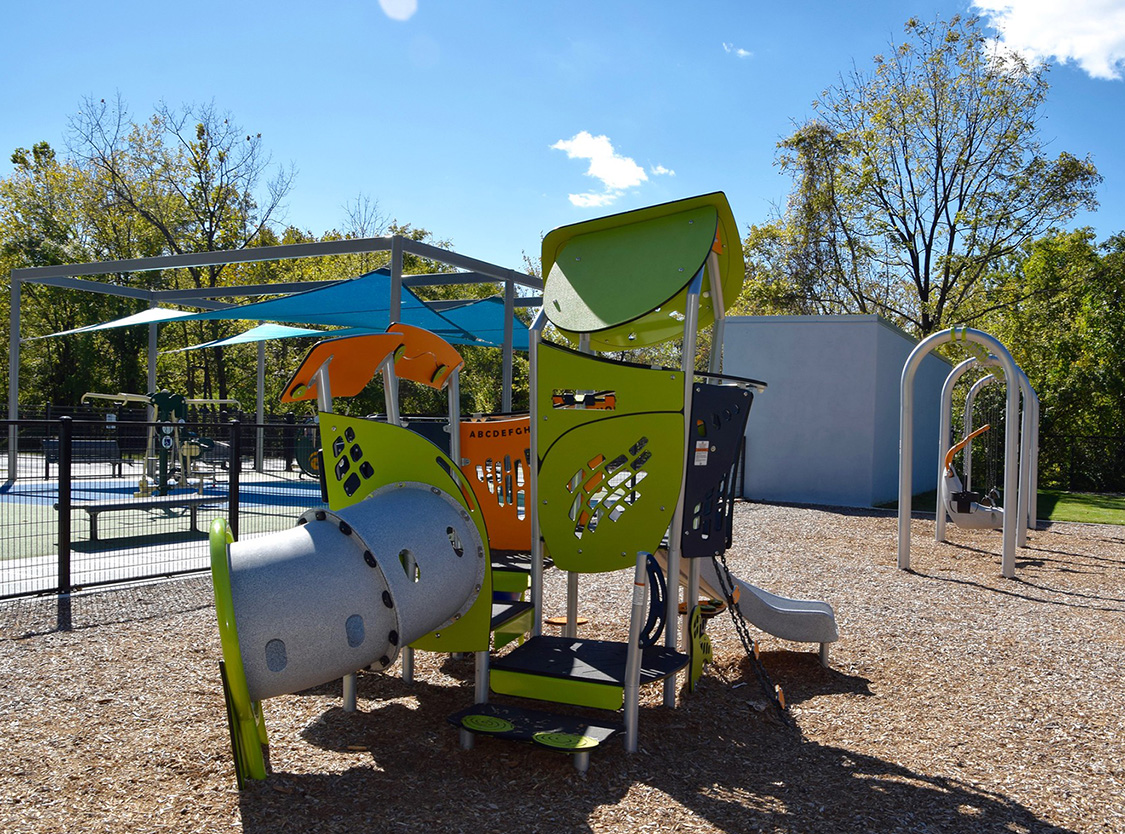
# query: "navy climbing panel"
[[718, 424]]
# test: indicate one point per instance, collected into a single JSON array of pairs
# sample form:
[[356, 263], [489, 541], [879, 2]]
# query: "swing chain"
[[726, 585]]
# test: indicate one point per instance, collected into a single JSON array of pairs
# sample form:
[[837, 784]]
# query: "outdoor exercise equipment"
[[170, 450]]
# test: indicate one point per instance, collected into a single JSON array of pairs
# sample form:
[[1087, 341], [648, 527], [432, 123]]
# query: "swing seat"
[[969, 510]]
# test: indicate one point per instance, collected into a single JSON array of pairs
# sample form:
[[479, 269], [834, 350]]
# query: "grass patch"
[[1054, 505]]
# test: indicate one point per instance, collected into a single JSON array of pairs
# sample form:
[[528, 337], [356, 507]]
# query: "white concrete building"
[[826, 429]]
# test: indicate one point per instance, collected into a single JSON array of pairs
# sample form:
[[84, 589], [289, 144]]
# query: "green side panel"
[[557, 690], [634, 390], [245, 715], [609, 489], [510, 581], [609, 478], [623, 278], [360, 456], [699, 647]]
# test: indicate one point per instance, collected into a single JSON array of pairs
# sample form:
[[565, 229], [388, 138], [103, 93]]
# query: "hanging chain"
[[726, 584]]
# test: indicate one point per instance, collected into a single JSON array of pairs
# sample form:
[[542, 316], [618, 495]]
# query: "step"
[[511, 620], [574, 671], [570, 734], [505, 613]]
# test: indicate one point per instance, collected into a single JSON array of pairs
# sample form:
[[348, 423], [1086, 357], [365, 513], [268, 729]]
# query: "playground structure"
[[1021, 428], [614, 462]]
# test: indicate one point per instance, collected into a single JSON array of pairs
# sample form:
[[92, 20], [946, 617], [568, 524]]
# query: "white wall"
[[826, 429]]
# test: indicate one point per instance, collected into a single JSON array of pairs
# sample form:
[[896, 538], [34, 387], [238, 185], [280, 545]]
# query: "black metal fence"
[[1082, 463], [97, 502]]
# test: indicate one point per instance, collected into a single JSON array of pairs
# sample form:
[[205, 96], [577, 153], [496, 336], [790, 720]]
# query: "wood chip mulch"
[[957, 701]]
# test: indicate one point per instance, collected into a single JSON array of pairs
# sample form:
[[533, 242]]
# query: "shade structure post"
[[260, 413], [13, 378], [508, 349], [396, 278]]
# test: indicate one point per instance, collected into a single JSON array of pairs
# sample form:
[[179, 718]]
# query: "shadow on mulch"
[[731, 764]]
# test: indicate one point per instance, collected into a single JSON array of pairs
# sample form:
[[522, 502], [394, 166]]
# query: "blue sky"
[[489, 123]]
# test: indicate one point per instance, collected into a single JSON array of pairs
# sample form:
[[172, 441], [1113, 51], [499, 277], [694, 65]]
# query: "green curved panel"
[[360, 456], [248, 727], [609, 488], [635, 389], [623, 279]]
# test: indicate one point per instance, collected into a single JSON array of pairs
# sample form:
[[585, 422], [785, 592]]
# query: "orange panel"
[[496, 452], [424, 357], [354, 362]]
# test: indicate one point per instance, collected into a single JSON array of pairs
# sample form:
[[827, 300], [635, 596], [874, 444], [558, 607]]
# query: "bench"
[[155, 502], [84, 451]]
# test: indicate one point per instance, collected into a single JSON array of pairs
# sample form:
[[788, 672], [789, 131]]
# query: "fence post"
[[65, 434], [235, 472]]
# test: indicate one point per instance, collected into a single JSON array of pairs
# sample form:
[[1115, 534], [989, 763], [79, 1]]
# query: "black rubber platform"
[[591, 661], [564, 733]]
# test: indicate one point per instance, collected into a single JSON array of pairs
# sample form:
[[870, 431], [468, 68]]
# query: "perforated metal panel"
[[718, 424]]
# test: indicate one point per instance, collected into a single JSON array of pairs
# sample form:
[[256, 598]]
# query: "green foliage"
[[1060, 309], [913, 181]]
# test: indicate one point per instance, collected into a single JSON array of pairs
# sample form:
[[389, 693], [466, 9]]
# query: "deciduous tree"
[[915, 178]]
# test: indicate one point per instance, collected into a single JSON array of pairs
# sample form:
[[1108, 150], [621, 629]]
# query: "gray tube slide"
[[346, 590], [799, 620]]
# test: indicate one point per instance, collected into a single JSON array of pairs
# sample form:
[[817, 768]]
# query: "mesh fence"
[[98, 502]]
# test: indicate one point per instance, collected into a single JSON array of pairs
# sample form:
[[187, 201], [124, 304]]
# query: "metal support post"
[[633, 656], [675, 534], [534, 334]]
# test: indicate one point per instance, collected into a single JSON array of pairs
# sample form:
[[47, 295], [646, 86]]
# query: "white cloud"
[[1090, 33], [590, 200], [731, 49], [661, 171], [617, 173], [399, 9]]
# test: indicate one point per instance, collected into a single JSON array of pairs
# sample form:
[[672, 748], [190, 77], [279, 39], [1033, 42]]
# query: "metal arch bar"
[[1028, 444], [970, 406], [906, 437], [945, 419]]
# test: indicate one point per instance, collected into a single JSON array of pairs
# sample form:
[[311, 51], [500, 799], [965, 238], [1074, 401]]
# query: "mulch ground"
[[957, 701]]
